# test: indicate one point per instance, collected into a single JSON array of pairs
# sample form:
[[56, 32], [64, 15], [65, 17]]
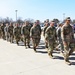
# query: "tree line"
[[20, 21]]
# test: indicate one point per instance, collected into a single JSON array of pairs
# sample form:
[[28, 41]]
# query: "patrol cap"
[[68, 18]]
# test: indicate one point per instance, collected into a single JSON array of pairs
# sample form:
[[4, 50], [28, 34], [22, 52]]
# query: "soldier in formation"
[[26, 32], [2, 31], [35, 34], [58, 33], [17, 33], [67, 36], [6, 32], [10, 30], [44, 30], [50, 36], [64, 34]]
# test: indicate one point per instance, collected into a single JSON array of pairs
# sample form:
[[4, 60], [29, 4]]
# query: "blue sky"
[[37, 9]]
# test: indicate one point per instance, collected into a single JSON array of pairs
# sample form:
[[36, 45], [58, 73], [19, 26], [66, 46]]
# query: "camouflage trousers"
[[46, 43], [7, 36], [35, 41], [26, 40], [51, 45], [3, 35], [68, 50], [11, 38], [17, 38]]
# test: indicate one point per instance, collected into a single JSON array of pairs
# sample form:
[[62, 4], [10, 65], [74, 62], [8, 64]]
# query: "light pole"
[[16, 14]]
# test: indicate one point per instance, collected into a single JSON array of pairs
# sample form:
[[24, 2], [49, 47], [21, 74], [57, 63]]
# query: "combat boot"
[[17, 43], [67, 62], [50, 55], [35, 49], [28, 46]]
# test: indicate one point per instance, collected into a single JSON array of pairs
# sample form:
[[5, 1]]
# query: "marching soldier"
[[68, 39], [17, 33], [44, 29], [26, 33], [10, 30], [60, 43], [50, 36], [2, 31], [38, 25], [6, 32], [35, 34]]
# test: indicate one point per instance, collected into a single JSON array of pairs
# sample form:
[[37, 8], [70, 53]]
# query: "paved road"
[[16, 60]]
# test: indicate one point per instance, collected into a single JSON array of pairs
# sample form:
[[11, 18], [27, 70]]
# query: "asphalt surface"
[[16, 60]]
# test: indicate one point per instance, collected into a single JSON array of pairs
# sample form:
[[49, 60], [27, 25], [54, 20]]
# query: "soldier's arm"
[[47, 33], [22, 30], [62, 34], [4, 29], [31, 32], [9, 29], [14, 31], [40, 29], [72, 33], [55, 35], [43, 31]]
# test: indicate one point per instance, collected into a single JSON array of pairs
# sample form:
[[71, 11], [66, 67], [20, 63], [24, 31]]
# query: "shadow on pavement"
[[73, 53], [44, 52], [72, 63], [41, 47], [72, 58], [59, 57]]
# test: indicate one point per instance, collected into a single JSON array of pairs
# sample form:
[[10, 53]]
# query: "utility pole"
[[63, 16], [16, 14]]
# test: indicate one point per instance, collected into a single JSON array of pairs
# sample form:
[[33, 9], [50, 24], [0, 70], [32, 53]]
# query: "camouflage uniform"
[[11, 36], [6, 32], [17, 33], [67, 37], [60, 43], [2, 31], [35, 34], [50, 36], [26, 33], [44, 29]]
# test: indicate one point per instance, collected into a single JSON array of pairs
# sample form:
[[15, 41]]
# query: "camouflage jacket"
[[44, 29], [26, 30], [17, 31], [35, 32], [50, 33], [2, 28], [10, 30], [67, 33]]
